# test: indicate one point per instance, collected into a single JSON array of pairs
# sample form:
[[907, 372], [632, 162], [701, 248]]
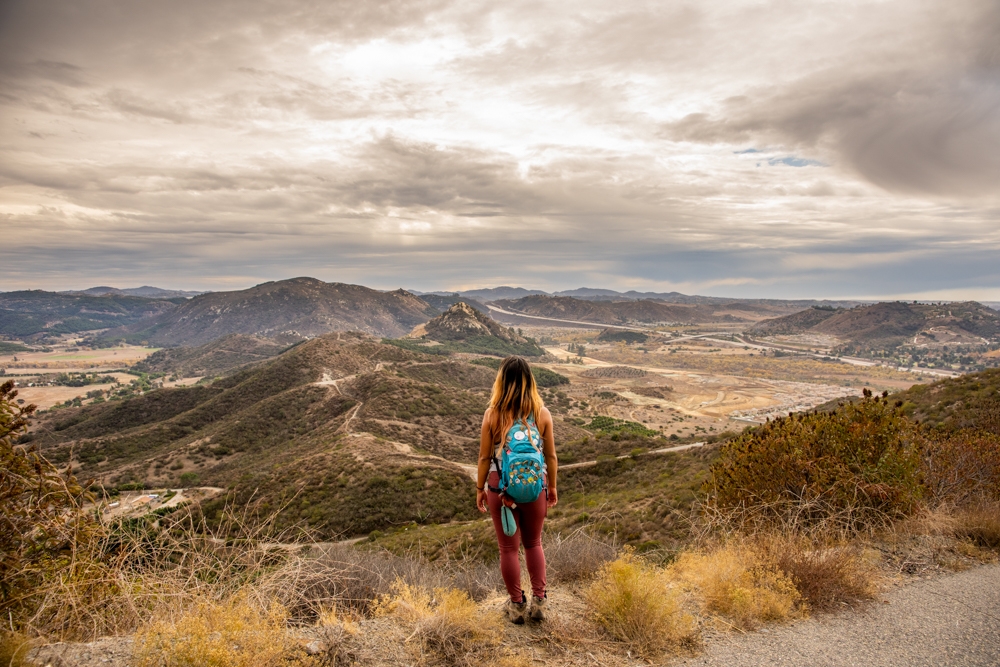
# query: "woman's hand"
[[481, 500], [552, 498]]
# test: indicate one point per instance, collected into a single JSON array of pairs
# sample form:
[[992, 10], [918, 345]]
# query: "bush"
[[232, 633], [578, 556], [738, 583], [447, 623], [864, 457], [44, 531], [634, 602], [826, 577], [963, 466], [980, 525]]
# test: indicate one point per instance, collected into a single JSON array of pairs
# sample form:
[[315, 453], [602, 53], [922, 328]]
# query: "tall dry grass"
[[236, 632], [638, 604], [448, 626], [578, 556], [737, 582]]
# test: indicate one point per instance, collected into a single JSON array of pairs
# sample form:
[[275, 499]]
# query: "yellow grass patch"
[[737, 583], [636, 603]]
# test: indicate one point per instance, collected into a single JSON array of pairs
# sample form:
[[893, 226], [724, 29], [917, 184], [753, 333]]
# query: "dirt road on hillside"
[[952, 620]]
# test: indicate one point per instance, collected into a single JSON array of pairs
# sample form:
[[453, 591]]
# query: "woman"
[[515, 407]]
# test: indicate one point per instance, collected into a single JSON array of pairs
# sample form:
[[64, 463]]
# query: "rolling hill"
[[145, 291], [220, 357], [612, 312], [36, 312], [288, 309], [890, 324], [345, 433]]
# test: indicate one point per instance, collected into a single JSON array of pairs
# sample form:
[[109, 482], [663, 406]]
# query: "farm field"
[[66, 357]]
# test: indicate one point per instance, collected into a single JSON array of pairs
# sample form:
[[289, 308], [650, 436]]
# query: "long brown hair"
[[515, 394]]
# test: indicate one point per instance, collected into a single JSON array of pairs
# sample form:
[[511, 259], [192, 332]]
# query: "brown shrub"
[[979, 524], [863, 457], [238, 632], [351, 578], [577, 556], [826, 577], [962, 466]]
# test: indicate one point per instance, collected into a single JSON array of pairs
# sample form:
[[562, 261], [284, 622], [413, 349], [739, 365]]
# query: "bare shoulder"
[[544, 416]]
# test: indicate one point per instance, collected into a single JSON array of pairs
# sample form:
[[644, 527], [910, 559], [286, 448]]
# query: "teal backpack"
[[521, 466]]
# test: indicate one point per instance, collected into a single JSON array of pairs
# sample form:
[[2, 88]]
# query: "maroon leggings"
[[529, 518]]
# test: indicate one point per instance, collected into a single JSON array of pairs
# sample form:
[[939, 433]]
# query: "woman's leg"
[[510, 565], [531, 517]]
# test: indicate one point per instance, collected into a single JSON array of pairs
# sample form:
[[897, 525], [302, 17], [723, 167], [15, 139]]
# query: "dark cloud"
[[918, 122]]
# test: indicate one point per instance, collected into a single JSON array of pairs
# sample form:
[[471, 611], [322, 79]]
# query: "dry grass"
[[448, 626], [578, 556], [636, 604], [350, 578], [14, 649], [238, 632], [737, 582], [979, 524], [828, 576]]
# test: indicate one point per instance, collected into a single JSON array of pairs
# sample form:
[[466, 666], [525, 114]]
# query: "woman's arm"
[[485, 456], [549, 450]]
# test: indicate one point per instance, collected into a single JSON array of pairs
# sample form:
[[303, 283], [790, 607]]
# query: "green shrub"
[[863, 457], [603, 424]]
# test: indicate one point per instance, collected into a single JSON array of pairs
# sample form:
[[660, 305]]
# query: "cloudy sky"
[[780, 148]]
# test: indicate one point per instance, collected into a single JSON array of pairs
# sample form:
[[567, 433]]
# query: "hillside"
[[292, 309], [36, 312], [147, 291], [611, 312], [462, 328], [219, 357], [915, 330], [972, 400], [795, 323], [307, 422]]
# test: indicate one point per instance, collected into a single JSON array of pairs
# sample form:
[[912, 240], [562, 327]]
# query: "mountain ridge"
[[290, 310]]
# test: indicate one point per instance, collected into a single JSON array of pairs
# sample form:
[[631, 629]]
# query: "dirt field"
[[65, 358], [699, 383], [685, 402]]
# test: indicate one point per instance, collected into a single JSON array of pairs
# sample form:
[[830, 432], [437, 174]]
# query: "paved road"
[[951, 621]]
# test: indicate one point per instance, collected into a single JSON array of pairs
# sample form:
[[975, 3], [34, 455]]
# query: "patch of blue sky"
[[792, 161]]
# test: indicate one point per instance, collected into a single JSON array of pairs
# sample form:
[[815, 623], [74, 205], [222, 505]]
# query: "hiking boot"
[[538, 608], [517, 611]]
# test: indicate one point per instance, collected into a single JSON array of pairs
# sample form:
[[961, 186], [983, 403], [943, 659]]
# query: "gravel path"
[[949, 621]]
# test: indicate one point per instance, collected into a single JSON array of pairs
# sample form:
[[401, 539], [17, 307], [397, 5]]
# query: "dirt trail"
[[951, 620], [664, 450]]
